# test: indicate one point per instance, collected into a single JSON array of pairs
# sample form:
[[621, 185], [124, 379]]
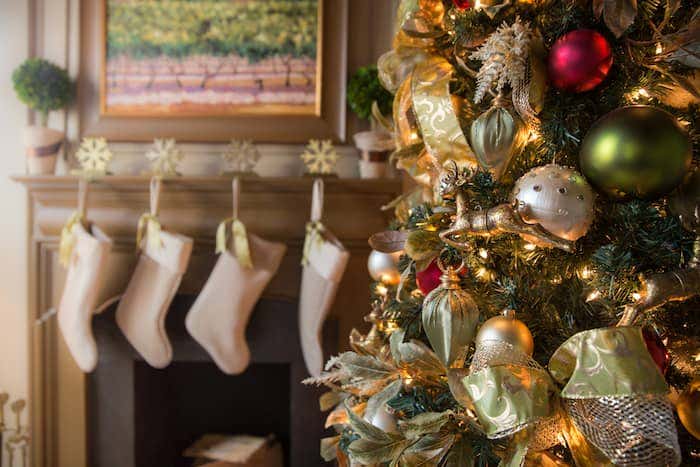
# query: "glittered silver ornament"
[[497, 137], [558, 198], [506, 328], [384, 267]]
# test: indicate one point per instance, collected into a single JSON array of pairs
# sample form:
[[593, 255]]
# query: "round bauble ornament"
[[688, 408], [638, 151], [685, 202], [384, 420], [450, 316], [657, 349], [558, 198], [497, 136], [384, 267], [506, 328], [579, 61]]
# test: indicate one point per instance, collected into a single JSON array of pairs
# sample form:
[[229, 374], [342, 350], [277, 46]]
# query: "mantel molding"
[[274, 208]]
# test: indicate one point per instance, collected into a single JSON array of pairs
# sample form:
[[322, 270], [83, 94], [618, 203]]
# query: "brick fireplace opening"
[[145, 417]]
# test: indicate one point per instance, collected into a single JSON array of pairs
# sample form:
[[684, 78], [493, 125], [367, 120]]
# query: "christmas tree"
[[535, 300]]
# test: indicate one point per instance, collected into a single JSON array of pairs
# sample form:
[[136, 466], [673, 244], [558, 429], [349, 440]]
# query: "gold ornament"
[[384, 267], [508, 329], [501, 219], [240, 157], [94, 157], [497, 136], [450, 316], [557, 198], [320, 157], [688, 408], [164, 157]]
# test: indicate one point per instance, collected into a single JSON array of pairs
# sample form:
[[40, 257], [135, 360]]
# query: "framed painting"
[[212, 70]]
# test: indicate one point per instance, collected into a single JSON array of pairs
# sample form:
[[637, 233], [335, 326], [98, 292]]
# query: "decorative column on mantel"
[[274, 208]]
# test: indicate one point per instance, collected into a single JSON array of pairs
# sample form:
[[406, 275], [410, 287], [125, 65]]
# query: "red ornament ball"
[[429, 278], [462, 4], [657, 349], [579, 61]]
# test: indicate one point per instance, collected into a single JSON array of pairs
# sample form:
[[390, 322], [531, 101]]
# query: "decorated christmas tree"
[[536, 298]]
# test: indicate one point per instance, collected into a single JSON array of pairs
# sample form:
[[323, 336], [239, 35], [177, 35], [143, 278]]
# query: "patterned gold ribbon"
[[241, 247], [149, 226], [314, 235], [612, 407]]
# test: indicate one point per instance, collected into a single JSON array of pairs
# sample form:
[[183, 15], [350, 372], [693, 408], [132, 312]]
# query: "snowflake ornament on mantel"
[[320, 157], [94, 157], [164, 157], [240, 157]]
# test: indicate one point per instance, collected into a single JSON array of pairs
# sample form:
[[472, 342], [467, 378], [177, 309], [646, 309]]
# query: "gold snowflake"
[[240, 157], [94, 157], [320, 157], [164, 157]]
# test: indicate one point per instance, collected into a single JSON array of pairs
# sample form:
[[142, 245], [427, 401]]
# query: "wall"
[[14, 31], [50, 28]]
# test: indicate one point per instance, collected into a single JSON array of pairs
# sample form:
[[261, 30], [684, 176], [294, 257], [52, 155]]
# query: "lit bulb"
[[659, 48], [529, 246], [593, 296], [381, 289], [696, 357], [585, 272], [534, 136], [483, 253], [636, 296]]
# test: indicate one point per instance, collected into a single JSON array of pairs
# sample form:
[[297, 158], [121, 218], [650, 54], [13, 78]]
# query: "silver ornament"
[[497, 136], [506, 328], [558, 198], [384, 267]]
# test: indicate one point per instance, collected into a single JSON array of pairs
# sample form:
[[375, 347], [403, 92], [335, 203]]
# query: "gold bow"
[[67, 242], [150, 227], [241, 248], [314, 234]]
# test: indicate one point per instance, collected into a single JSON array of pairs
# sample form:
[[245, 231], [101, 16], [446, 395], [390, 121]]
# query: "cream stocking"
[[162, 262], [85, 253], [324, 263], [219, 316]]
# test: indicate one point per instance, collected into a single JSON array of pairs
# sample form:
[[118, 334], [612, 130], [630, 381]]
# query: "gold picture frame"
[[262, 123]]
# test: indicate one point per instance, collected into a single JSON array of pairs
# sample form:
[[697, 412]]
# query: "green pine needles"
[[42, 86]]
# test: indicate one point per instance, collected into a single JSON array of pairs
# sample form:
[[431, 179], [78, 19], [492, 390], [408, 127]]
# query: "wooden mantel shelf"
[[273, 208]]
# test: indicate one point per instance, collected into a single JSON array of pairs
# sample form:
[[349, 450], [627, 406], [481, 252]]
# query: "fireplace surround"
[[70, 427]]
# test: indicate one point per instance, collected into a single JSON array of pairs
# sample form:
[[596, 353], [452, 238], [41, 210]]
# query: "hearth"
[[143, 417]]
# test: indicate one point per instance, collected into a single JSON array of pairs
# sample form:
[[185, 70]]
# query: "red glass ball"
[[579, 60], [462, 4], [429, 278], [657, 349]]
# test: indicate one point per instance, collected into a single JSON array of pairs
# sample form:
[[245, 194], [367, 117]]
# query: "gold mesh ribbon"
[[241, 248], [612, 408], [67, 242]]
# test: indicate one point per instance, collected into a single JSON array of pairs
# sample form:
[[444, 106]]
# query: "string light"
[[483, 253], [595, 295], [636, 296], [585, 273], [529, 247], [381, 289], [659, 48], [696, 357]]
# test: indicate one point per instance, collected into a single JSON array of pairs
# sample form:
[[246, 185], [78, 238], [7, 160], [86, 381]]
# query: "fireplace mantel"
[[274, 208]]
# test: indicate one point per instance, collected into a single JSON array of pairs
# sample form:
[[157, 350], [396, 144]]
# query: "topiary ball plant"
[[42, 86], [363, 89]]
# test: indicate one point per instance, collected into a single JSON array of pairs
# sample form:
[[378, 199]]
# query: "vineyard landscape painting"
[[211, 57]]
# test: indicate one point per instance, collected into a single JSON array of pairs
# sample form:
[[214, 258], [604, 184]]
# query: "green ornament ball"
[[637, 151]]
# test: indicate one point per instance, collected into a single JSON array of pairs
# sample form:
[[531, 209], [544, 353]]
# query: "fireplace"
[[145, 417], [126, 414]]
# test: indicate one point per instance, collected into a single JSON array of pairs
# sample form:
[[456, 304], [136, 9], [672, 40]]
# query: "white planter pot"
[[42, 146], [375, 148]]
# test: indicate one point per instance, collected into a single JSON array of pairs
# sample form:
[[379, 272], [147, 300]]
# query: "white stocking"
[[324, 263], [145, 303], [87, 262], [219, 316]]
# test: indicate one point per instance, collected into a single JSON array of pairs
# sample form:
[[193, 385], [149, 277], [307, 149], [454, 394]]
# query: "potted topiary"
[[43, 87], [370, 101]]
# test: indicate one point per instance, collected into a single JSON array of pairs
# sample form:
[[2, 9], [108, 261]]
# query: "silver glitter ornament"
[[558, 198]]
